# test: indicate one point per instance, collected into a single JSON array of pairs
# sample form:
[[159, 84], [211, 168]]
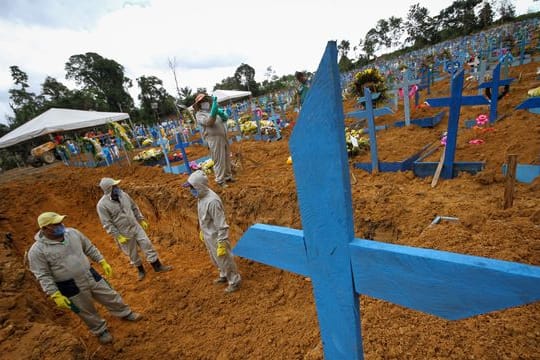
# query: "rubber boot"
[[141, 271], [158, 267]]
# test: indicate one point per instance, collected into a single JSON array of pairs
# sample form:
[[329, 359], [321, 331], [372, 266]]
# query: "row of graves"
[[400, 84], [259, 119], [444, 284]]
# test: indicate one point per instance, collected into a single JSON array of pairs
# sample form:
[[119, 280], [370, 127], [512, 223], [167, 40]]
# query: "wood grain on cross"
[[449, 285]]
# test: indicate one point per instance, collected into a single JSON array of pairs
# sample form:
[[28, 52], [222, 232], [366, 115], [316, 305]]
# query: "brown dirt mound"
[[273, 316]]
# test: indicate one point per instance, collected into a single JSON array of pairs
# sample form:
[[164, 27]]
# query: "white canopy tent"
[[58, 120], [226, 95]]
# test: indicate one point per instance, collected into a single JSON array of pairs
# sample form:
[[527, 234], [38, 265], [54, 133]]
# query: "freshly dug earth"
[[273, 316]]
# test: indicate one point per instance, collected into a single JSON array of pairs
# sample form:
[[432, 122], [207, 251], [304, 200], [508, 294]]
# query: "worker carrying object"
[[122, 219], [215, 231], [59, 260]]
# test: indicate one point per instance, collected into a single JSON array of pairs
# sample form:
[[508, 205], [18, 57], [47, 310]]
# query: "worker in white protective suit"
[[214, 230], [122, 219], [214, 126], [59, 260]]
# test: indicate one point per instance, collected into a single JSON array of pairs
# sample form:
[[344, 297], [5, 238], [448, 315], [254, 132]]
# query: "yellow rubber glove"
[[61, 301], [201, 236], [107, 269], [145, 225], [221, 248], [122, 239]]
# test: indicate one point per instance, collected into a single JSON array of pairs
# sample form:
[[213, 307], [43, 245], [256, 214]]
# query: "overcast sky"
[[209, 39]]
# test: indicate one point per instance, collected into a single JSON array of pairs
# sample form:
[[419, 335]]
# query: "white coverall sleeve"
[[215, 209], [135, 209], [106, 221], [42, 272], [205, 119], [89, 249]]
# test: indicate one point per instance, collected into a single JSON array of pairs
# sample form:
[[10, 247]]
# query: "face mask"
[[205, 106], [115, 193], [59, 230], [194, 192]]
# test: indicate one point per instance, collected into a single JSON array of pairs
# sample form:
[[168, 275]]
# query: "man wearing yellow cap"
[[122, 219], [59, 260]]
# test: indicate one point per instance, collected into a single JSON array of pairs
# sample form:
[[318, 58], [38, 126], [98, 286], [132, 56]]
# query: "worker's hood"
[[199, 181], [106, 184]]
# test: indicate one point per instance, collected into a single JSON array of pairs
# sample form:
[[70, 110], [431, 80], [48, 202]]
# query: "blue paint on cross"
[[369, 113], [494, 85], [445, 284], [455, 102]]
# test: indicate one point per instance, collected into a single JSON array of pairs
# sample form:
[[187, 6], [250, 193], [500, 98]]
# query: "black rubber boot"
[[158, 267], [141, 271]]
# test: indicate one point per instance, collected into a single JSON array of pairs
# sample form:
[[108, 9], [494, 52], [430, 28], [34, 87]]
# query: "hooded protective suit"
[[214, 227], [63, 266], [122, 218], [215, 134]]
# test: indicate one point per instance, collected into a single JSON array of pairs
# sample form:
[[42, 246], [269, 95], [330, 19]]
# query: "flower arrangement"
[[372, 79], [120, 132]]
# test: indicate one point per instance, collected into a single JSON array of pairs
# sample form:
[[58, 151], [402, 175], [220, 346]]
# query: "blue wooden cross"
[[449, 285], [406, 104], [455, 102], [369, 113], [494, 85]]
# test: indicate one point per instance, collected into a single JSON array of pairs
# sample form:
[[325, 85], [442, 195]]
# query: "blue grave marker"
[[369, 113], [406, 103], [494, 87], [455, 102], [449, 285]]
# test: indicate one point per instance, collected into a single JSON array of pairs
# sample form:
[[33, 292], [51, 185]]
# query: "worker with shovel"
[[59, 260]]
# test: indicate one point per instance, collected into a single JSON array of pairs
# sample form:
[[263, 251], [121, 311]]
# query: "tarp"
[[58, 120], [225, 95]]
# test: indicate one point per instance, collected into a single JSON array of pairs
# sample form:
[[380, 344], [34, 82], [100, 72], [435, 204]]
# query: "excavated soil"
[[273, 315]]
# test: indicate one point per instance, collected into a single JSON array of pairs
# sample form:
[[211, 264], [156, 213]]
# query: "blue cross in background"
[[449, 285]]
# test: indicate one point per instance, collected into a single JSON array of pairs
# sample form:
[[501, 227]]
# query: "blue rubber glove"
[[214, 109], [222, 115]]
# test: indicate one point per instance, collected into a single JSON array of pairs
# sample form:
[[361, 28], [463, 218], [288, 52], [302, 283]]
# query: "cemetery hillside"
[[440, 146]]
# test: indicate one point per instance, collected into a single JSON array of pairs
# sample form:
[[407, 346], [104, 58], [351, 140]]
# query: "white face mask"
[[205, 106]]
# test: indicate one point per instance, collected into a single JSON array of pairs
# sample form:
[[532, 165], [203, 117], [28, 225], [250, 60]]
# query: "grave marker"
[[449, 285]]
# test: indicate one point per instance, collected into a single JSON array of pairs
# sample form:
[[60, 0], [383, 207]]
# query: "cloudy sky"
[[209, 39]]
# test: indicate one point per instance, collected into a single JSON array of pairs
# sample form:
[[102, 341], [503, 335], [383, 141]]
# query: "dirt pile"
[[273, 316]]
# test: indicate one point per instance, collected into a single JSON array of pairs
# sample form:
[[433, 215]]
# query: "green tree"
[[506, 10], [419, 26], [152, 91], [24, 104], [104, 78], [245, 76], [485, 17], [344, 47]]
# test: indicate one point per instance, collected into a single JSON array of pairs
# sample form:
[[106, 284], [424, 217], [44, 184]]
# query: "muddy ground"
[[273, 316]]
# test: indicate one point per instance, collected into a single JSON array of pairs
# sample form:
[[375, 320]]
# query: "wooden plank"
[[438, 170], [449, 285], [510, 181]]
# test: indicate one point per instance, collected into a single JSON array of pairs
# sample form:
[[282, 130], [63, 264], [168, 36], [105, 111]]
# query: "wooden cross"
[[449, 285], [494, 85], [406, 103]]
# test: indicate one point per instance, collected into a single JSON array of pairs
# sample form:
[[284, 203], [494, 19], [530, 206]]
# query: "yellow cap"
[[48, 218]]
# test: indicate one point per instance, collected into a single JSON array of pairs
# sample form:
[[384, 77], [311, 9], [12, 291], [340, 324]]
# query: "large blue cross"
[[455, 102], [406, 102], [449, 285]]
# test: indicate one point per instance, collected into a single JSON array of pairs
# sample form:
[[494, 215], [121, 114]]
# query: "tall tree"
[[245, 76], [344, 47], [419, 26], [153, 92], [507, 10], [104, 78], [485, 17], [23, 103]]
